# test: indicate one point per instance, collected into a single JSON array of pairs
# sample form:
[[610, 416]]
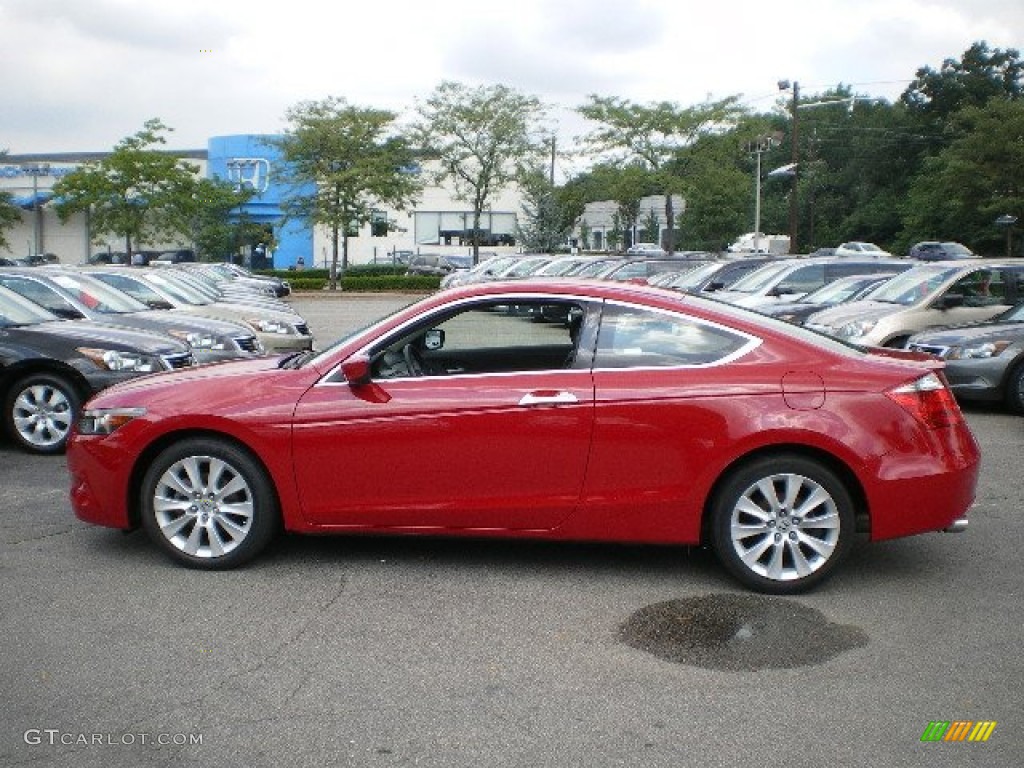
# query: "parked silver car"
[[984, 362], [926, 296]]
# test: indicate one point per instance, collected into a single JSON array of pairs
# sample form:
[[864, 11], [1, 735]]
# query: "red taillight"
[[929, 400]]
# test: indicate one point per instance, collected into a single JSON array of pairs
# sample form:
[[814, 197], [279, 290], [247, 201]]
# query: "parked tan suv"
[[940, 293]]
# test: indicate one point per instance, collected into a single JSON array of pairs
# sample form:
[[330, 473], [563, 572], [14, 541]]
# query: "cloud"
[[83, 75]]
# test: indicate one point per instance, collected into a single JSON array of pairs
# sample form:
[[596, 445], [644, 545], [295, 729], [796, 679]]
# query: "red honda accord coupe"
[[559, 410]]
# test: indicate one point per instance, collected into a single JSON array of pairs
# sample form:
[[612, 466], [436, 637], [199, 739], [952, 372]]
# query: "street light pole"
[[795, 158]]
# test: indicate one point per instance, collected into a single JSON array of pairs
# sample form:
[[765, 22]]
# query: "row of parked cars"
[[67, 332], [969, 312]]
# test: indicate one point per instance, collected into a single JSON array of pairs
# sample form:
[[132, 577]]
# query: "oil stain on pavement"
[[738, 633]]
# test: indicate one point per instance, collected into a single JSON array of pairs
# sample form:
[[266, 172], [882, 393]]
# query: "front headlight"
[[104, 421], [204, 341], [987, 349], [271, 326], [118, 360], [856, 328]]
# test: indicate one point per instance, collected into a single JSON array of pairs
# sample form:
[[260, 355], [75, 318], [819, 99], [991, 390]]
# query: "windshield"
[[460, 262], [591, 269], [178, 290], [15, 310], [524, 267], [495, 265], [912, 286], [760, 279], [840, 290], [98, 296], [557, 267], [693, 278]]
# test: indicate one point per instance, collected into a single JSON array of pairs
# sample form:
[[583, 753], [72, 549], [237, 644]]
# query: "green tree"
[[480, 139], [137, 192], [981, 74], [655, 135], [342, 163], [960, 192], [218, 224], [542, 226]]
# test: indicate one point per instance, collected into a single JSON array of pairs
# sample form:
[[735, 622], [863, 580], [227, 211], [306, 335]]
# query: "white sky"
[[79, 75]]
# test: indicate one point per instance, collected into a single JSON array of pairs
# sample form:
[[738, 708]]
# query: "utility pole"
[[793, 208], [758, 148]]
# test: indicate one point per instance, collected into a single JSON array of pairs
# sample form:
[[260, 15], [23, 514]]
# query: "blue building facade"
[[249, 160]]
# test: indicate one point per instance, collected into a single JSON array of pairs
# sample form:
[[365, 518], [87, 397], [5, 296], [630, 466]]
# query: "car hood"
[[100, 335], [980, 332], [234, 382], [856, 310], [180, 318]]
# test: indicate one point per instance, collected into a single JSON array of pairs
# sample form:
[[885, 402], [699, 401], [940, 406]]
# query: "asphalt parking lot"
[[377, 651]]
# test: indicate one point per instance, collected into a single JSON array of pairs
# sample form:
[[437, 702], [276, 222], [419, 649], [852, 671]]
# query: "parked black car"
[[849, 288], [933, 250], [49, 367]]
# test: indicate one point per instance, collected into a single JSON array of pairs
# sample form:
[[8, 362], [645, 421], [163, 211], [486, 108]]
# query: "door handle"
[[548, 397]]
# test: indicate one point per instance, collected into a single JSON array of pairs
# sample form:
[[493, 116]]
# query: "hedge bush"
[[372, 283]]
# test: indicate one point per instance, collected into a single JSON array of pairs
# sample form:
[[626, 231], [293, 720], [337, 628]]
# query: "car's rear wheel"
[[1015, 388], [209, 504], [39, 412], [782, 523]]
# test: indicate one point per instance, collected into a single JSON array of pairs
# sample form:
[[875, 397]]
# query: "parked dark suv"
[[50, 367], [932, 250]]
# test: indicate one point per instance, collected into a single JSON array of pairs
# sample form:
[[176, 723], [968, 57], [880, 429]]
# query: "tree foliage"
[[217, 220], [542, 226], [960, 192], [480, 139], [656, 135], [343, 163], [137, 192]]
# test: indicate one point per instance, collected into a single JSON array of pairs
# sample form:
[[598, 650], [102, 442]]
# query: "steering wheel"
[[414, 360]]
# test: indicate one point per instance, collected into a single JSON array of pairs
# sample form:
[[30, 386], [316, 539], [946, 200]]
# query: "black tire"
[[208, 504], [762, 543], [1014, 391], [40, 410]]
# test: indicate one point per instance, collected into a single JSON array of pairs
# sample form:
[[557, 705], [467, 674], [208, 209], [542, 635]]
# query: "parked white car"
[[858, 248]]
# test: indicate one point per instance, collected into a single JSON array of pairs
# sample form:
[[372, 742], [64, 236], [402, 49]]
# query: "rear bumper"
[[918, 493]]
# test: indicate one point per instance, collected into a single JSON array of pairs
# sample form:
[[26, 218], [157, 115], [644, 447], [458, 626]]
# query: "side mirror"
[[949, 301], [68, 313], [717, 285], [356, 370], [159, 304], [433, 339]]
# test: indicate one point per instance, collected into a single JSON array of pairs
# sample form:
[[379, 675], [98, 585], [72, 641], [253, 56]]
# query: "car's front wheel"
[[1015, 388], [209, 504], [782, 523], [39, 412]]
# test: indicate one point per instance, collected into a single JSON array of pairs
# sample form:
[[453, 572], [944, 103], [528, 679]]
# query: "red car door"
[[479, 444]]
